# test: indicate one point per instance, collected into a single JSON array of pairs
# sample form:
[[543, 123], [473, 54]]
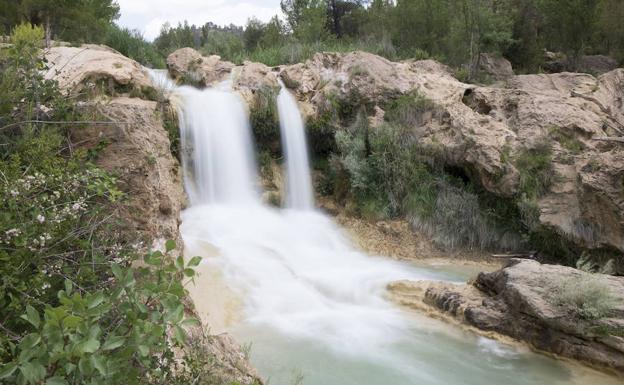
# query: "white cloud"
[[148, 16]]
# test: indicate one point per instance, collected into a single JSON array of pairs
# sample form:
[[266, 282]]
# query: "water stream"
[[310, 303], [298, 180]]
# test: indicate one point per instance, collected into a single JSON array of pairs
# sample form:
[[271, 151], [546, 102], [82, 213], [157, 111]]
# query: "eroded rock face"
[[519, 301], [73, 67], [138, 152]]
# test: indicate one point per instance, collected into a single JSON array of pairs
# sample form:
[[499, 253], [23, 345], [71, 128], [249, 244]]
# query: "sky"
[[148, 16]]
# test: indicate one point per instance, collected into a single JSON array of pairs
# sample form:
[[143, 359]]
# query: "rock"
[[138, 152], [495, 66], [592, 64], [232, 366], [519, 301], [73, 67], [597, 64], [188, 65]]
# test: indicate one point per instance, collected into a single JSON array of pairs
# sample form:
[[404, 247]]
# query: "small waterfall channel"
[[298, 181], [313, 306]]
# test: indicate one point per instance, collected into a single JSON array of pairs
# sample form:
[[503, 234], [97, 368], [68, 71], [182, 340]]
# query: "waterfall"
[[298, 181], [218, 157]]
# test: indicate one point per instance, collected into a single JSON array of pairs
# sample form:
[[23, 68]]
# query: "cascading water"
[[298, 181], [312, 303], [218, 157]]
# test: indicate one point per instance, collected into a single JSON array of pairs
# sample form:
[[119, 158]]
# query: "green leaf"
[[179, 263], [143, 350], [99, 363], [190, 322], [31, 316], [113, 343], [116, 269], [95, 300], [170, 245], [179, 334], [194, 262], [30, 341], [68, 287], [56, 380], [71, 321], [7, 370], [89, 346], [189, 272], [33, 372]]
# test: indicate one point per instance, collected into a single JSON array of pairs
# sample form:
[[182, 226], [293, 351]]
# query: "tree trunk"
[[48, 31]]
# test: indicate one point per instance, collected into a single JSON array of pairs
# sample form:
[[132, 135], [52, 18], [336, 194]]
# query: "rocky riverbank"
[[555, 309]]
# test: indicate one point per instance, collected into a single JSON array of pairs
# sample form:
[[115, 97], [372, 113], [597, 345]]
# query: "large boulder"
[[189, 66], [521, 301], [495, 66], [74, 67]]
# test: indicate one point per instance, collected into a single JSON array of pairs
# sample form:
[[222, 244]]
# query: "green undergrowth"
[[388, 172], [264, 120]]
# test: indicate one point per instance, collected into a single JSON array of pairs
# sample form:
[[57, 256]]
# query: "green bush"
[[264, 120], [535, 168], [110, 334], [408, 110], [586, 296]]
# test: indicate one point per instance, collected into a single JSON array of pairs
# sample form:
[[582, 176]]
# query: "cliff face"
[[489, 132]]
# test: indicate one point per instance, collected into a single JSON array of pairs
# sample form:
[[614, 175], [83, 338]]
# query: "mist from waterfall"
[[299, 193]]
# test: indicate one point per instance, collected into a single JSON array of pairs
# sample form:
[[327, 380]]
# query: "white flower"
[[40, 218], [14, 193]]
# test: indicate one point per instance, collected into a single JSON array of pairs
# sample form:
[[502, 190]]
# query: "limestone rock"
[[189, 65], [518, 301], [73, 67], [495, 66]]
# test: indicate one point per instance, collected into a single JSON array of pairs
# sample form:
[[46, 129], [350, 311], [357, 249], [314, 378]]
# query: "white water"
[[311, 301], [298, 181], [218, 157]]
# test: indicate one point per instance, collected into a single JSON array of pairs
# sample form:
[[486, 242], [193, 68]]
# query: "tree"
[[74, 20], [570, 24], [610, 38], [274, 33], [254, 31], [479, 26], [337, 11]]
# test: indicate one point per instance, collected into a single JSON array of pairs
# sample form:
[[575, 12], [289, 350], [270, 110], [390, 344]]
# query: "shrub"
[[535, 168], [567, 140], [586, 296], [408, 110], [115, 333], [264, 120]]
